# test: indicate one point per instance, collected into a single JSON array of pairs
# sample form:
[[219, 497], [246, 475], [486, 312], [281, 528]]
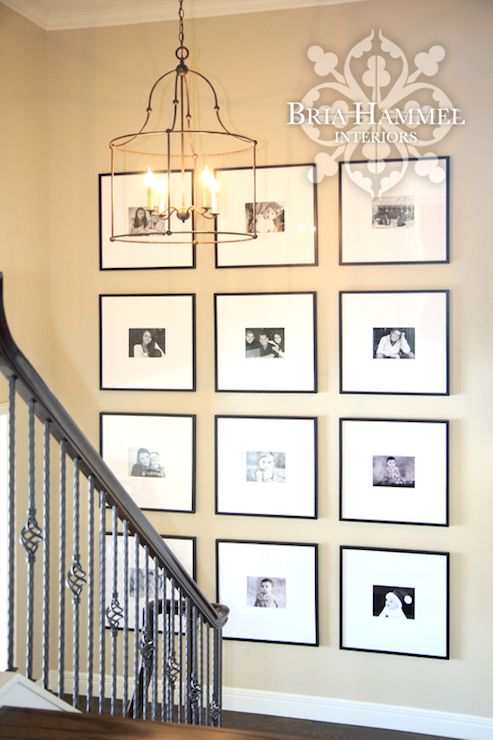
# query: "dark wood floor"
[[307, 728]]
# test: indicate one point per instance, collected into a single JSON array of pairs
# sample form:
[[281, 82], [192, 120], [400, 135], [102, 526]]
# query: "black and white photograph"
[[271, 589], [393, 212], [408, 325], [145, 462], [394, 601], [401, 219], [264, 343], [394, 343], [283, 218], [146, 342], [265, 217], [140, 230], [266, 592], [184, 548], [394, 471], [153, 457], [391, 602], [259, 326], [266, 466], [158, 327]]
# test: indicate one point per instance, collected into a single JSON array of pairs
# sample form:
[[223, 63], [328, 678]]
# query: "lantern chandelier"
[[175, 194]]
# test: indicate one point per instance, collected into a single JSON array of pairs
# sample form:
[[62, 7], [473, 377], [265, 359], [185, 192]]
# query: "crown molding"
[[58, 15]]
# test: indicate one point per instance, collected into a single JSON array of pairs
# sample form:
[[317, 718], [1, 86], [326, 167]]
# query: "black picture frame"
[[293, 592], [286, 318], [408, 484], [122, 436], [183, 547], [412, 586], [127, 255], [293, 237], [367, 317], [422, 239], [277, 475], [172, 314]]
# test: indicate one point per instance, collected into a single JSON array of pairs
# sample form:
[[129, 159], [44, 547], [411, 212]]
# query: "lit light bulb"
[[149, 181], [162, 189], [211, 186]]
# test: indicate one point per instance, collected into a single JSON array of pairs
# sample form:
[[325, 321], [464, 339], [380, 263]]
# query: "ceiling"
[[55, 15]]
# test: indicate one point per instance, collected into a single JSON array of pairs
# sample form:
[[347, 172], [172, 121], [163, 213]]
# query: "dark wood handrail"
[[30, 385]]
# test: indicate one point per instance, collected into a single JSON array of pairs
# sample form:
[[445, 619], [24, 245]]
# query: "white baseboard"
[[341, 711], [365, 714]]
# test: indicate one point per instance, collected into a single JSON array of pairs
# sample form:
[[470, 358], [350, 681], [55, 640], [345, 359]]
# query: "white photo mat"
[[289, 489], [292, 568], [426, 574], [423, 239], [288, 186], [426, 312], [173, 370], [130, 192], [420, 500], [294, 313], [172, 437], [184, 548]]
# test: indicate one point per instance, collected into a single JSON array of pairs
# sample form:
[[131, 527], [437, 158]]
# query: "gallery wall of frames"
[[392, 343]]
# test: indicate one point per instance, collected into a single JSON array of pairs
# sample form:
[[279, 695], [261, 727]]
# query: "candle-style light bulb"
[[149, 181], [162, 189], [210, 189]]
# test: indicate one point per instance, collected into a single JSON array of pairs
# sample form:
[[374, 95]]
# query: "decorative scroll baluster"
[[125, 619], [188, 658], [90, 592], [76, 578], [114, 612], [136, 701], [172, 667], [61, 570], [208, 674], [146, 646], [164, 661], [216, 707], [180, 655], [31, 536], [11, 565], [155, 633], [46, 555], [102, 598]]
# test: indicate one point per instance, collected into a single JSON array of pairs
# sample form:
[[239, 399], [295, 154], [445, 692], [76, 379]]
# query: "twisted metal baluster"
[[146, 646], [136, 627], [208, 674], [125, 619], [11, 564], [172, 667], [180, 655], [90, 592], [216, 706], [61, 570], [114, 612], [31, 536], [165, 646], [188, 658], [155, 617], [195, 684], [46, 555], [102, 598], [76, 578]]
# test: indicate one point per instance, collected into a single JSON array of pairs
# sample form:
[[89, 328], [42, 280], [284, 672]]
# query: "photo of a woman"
[[146, 342], [139, 222]]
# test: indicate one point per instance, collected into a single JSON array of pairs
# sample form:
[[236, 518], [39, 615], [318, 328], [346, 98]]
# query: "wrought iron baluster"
[[114, 612], [188, 659], [216, 708], [180, 655], [61, 568], [102, 599], [195, 684], [164, 662], [201, 670], [125, 619], [146, 640], [136, 700], [90, 592], [155, 633], [76, 578], [46, 555], [31, 536], [172, 667], [208, 674], [11, 515]]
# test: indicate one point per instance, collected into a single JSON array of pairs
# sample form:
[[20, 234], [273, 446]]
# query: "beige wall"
[[24, 257], [98, 82]]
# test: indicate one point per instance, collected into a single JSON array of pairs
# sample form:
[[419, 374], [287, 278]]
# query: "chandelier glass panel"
[[177, 195]]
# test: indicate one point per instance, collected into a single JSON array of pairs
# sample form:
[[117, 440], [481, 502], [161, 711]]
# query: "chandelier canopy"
[[177, 195]]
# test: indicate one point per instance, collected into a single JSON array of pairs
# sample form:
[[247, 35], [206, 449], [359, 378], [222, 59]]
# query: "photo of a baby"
[[266, 592]]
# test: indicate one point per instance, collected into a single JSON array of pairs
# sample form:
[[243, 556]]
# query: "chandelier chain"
[[182, 52]]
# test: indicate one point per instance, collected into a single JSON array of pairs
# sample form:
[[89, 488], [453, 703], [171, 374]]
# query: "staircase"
[[149, 647]]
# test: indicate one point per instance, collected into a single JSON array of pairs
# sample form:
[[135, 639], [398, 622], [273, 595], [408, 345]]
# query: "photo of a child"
[[267, 218], [265, 467], [266, 592]]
